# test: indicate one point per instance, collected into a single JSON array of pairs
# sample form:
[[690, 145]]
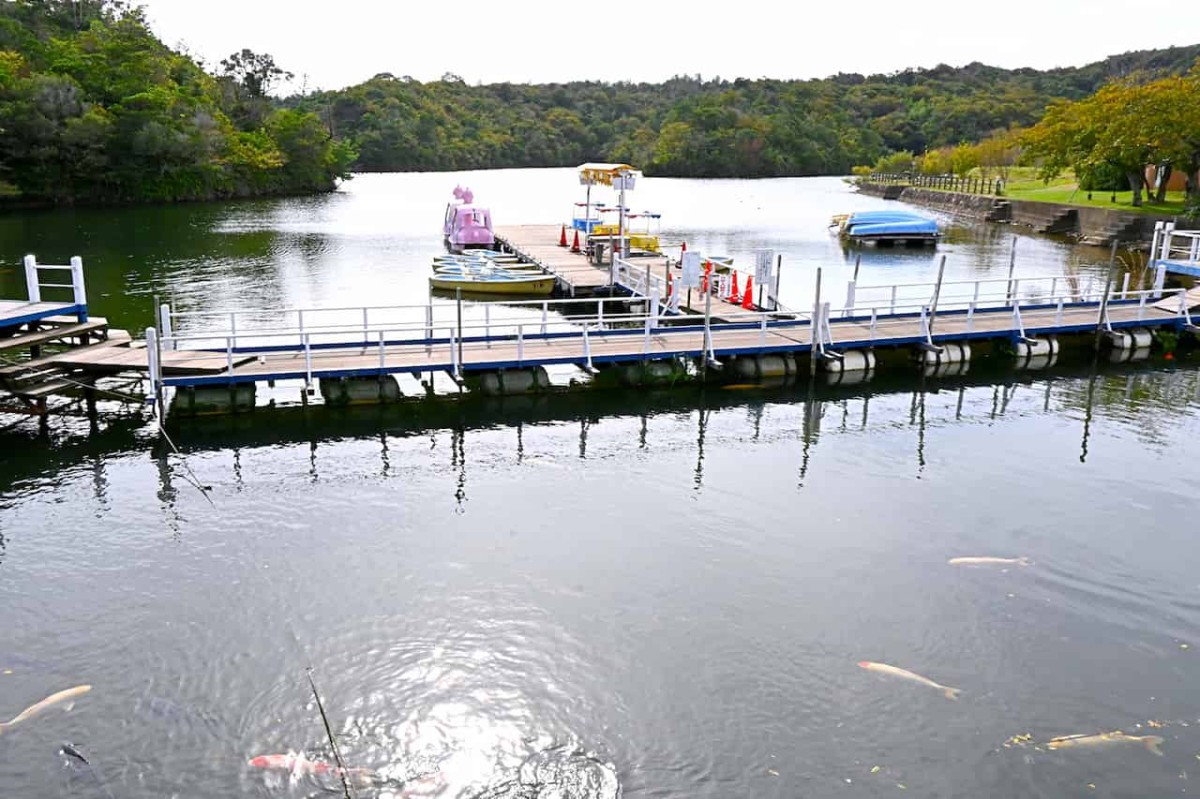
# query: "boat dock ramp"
[[581, 275], [213, 361]]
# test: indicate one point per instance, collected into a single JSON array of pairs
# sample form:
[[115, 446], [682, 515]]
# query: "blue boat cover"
[[890, 223]]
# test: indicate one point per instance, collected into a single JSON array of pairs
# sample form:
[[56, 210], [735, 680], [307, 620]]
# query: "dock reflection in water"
[[799, 411], [654, 594]]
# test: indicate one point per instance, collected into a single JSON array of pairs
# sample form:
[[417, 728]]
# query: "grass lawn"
[[1024, 184], [1066, 190]]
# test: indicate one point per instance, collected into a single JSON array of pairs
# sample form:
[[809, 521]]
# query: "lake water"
[[661, 593]]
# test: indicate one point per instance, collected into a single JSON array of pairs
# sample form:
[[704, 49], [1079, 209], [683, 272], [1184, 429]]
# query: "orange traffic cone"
[[575, 246], [748, 299], [562, 239], [670, 285], [684, 247], [704, 280], [735, 296]]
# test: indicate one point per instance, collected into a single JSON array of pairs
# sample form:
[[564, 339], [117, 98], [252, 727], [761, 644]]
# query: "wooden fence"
[[968, 185]]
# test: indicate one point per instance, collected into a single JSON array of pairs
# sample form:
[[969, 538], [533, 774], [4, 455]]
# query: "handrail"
[[639, 280], [34, 284], [633, 320], [458, 340]]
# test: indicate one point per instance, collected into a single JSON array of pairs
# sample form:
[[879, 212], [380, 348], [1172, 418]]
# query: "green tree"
[[94, 108], [255, 72]]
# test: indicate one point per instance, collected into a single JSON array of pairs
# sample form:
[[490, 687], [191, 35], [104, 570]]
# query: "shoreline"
[[1088, 225]]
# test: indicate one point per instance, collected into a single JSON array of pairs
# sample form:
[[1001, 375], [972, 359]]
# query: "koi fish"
[[987, 561], [298, 764], [72, 753], [1151, 742], [47, 703], [895, 671]]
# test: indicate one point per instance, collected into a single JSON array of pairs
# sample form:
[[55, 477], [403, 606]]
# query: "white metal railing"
[[1174, 245], [546, 317], [992, 292], [34, 282], [414, 320], [517, 332], [639, 279]]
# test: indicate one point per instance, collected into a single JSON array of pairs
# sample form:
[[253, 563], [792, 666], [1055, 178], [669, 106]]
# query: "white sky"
[[341, 42]]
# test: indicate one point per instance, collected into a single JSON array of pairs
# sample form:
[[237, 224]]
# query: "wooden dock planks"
[[193, 367], [662, 342], [539, 243], [20, 312]]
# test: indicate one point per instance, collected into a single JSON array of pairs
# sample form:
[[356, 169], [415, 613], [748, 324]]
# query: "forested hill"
[[94, 108], [715, 128]]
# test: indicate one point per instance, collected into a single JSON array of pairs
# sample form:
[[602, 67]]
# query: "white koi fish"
[[988, 561], [905, 674], [45, 704], [1151, 742]]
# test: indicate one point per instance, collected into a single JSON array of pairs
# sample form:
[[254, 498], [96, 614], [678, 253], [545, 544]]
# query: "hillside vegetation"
[[710, 128], [94, 108]]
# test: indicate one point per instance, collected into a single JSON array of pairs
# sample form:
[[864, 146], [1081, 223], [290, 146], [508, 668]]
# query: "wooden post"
[[816, 322], [458, 301], [1012, 265], [778, 270], [77, 286], [152, 355], [707, 330], [32, 285], [1112, 260], [937, 293]]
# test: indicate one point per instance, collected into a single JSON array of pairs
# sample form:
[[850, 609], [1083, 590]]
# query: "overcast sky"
[[341, 42]]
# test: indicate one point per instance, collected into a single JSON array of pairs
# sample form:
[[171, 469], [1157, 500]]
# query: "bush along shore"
[[94, 109]]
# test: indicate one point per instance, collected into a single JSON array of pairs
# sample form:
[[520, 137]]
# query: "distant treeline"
[[94, 108], [695, 128]]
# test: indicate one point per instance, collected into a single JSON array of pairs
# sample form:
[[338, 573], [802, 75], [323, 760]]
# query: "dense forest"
[[692, 127], [94, 108]]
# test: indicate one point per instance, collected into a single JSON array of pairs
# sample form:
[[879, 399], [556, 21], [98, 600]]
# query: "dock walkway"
[[589, 347], [579, 277], [936, 321]]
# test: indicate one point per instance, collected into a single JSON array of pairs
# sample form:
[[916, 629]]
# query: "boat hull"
[[539, 286]]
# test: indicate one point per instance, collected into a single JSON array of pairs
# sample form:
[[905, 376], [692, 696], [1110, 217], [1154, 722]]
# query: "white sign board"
[[765, 260], [691, 270], [623, 183]]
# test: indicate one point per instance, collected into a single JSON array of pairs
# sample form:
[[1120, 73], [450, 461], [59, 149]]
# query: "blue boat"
[[899, 227]]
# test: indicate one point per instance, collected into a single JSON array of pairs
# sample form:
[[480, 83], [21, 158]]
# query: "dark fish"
[[79, 762]]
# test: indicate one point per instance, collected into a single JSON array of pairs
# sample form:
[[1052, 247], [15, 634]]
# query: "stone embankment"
[[1095, 226]]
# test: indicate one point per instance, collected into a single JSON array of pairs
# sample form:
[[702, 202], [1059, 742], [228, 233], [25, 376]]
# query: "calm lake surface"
[[664, 594]]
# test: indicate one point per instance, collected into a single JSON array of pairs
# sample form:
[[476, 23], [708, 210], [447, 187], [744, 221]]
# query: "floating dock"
[[27, 327], [212, 361]]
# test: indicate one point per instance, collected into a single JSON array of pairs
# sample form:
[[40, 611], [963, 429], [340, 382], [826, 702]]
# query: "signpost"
[[762, 271], [621, 182]]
